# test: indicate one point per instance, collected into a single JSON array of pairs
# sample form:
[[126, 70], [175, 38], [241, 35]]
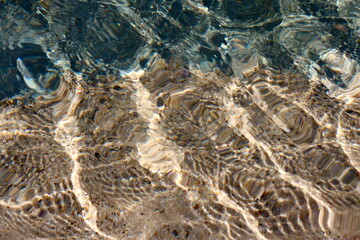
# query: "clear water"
[[193, 119]]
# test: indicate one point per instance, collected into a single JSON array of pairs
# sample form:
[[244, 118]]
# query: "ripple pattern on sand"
[[200, 119]]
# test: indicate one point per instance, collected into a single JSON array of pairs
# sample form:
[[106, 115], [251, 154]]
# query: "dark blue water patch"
[[146, 5], [339, 29], [330, 74], [173, 21], [209, 53], [27, 5], [11, 82], [248, 13], [165, 53], [319, 8], [354, 47], [189, 18], [166, 30], [98, 32], [217, 39], [214, 4], [278, 57], [106, 37], [175, 9], [122, 44]]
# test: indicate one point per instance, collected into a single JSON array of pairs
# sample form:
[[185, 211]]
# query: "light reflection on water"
[[179, 119]]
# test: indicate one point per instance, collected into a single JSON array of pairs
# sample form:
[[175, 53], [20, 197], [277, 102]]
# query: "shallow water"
[[149, 119]]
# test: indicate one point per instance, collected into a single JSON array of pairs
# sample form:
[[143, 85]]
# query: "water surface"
[[149, 119]]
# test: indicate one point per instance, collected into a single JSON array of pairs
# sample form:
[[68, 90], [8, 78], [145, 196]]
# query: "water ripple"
[[199, 119]]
